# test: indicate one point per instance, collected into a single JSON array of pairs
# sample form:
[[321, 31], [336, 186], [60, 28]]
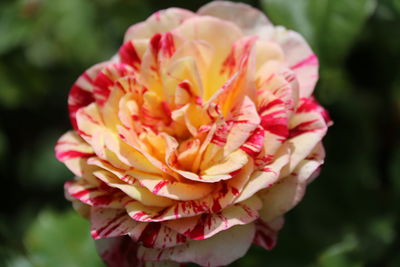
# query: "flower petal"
[[171, 189], [231, 163], [267, 233], [158, 235], [106, 223], [81, 93], [245, 121], [209, 224], [119, 252], [249, 19], [265, 177], [73, 151], [160, 22], [300, 58], [220, 35], [287, 192], [306, 130], [93, 195], [133, 191], [221, 249]]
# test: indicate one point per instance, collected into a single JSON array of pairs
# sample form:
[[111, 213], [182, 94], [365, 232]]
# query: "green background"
[[350, 215]]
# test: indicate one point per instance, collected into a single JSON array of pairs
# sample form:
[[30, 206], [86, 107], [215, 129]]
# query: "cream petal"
[[220, 35], [267, 176], [241, 61], [109, 111], [267, 233], [158, 235], [300, 58], [136, 192], [156, 60], [160, 22], [171, 189], [247, 18], [106, 223], [142, 213], [207, 225], [221, 249], [130, 138], [93, 195], [268, 51], [73, 151], [276, 81], [306, 129], [180, 70], [231, 163], [81, 93], [288, 191], [88, 122], [128, 155], [106, 78], [245, 121]]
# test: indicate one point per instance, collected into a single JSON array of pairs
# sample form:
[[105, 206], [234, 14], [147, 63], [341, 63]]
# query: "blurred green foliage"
[[350, 216]]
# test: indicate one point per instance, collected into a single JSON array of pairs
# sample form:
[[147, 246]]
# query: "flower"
[[194, 140]]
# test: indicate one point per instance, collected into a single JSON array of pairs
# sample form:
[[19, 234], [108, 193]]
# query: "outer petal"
[[160, 22], [249, 19], [223, 196], [300, 58], [93, 195], [287, 192], [267, 233], [119, 252], [81, 93], [73, 151], [207, 225], [221, 249], [306, 129], [106, 223], [265, 177], [158, 235]]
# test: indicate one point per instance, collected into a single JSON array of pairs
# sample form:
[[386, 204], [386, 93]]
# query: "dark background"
[[350, 215]]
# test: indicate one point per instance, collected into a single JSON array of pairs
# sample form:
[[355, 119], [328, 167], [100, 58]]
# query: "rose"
[[196, 138]]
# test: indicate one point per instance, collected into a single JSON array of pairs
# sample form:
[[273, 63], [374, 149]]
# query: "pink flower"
[[196, 138]]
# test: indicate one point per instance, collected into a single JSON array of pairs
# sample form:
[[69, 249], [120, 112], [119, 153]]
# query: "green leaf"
[[13, 258], [10, 94], [14, 27], [338, 254], [330, 26], [60, 239]]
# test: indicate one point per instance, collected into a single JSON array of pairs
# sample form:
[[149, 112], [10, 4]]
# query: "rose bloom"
[[195, 139]]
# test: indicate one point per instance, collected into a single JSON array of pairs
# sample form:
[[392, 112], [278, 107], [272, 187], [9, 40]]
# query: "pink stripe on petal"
[[310, 60], [267, 233], [66, 155], [302, 128], [102, 90], [128, 55], [78, 98]]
